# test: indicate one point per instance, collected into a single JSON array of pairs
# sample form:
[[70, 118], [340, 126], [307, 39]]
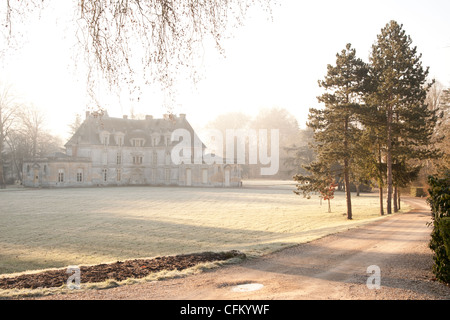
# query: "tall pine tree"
[[399, 87], [336, 126]]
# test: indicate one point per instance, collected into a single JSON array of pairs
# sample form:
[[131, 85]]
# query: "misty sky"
[[268, 63]]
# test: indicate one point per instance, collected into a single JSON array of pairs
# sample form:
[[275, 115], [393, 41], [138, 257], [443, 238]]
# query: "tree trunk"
[[2, 180], [380, 181], [398, 199], [357, 189], [394, 198], [346, 169], [347, 191], [389, 161], [329, 206], [381, 199]]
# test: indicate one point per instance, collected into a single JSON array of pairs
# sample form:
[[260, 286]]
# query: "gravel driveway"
[[333, 267]]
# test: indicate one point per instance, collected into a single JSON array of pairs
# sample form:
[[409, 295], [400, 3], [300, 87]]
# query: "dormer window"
[[137, 142], [155, 139], [104, 138], [119, 138]]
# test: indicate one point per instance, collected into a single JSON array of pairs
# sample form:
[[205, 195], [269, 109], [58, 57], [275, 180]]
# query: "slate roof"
[[89, 131]]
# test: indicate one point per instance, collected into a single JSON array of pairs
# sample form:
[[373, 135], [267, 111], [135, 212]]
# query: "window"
[[137, 159], [155, 158], [119, 175], [104, 138], [138, 143], [119, 158], [105, 174], [120, 141], [60, 175], [80, 175]]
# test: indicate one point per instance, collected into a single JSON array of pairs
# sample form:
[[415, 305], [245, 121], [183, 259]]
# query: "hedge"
[[439, 201], [418, 192], [444, 230]]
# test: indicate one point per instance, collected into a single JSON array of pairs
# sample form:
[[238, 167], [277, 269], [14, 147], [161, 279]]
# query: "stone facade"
[[107, 151]]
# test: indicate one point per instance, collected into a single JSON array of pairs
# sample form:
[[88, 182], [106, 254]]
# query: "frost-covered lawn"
[[52, 228]]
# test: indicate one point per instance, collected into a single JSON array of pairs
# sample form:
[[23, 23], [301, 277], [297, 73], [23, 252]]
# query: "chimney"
[[87, 114], [125, 116], [182, 116]]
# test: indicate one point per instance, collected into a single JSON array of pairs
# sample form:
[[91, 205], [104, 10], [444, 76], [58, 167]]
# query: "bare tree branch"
[[154, 40]]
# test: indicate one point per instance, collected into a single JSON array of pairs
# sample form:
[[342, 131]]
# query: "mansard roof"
[[94, 127]]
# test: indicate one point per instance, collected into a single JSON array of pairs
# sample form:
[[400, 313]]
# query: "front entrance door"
[[36, 177]]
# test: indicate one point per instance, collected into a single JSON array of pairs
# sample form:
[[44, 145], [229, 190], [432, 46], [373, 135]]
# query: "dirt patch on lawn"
[[118, 271]]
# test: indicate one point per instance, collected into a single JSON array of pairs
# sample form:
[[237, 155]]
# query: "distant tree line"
[[380, 122], [294, 141], [22, 135]]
